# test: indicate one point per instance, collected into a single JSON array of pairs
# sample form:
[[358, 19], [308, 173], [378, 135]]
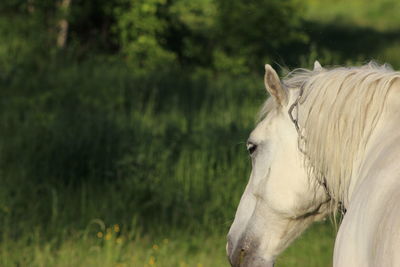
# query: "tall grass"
[[101, 245], [97, 141]]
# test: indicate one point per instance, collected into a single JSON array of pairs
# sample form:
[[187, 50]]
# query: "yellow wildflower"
[[152, 260], [108, 236], [155, 247], [99, 234], [116, 228]]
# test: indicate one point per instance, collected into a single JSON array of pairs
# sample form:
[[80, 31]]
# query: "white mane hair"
[[338, 111]]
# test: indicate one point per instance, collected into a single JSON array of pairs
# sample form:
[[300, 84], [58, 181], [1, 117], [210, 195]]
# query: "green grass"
[[113, 246], [96, 141], [160, 145]]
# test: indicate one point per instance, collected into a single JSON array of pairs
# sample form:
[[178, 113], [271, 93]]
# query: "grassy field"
[[160, 151], [113, 246]]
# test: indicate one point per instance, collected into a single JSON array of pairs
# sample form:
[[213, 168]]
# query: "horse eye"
[[251, 147]]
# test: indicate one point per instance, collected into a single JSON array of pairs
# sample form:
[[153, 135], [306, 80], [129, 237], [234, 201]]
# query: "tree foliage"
[[254, 31], [223, 35], [140, 31]]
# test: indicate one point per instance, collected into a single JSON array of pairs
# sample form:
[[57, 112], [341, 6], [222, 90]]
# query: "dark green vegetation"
[[122, 141]]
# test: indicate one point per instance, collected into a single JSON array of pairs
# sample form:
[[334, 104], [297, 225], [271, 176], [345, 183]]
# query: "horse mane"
[[338, 111]]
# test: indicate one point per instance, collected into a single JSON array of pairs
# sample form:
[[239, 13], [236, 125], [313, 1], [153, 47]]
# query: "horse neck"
[[381, 151]]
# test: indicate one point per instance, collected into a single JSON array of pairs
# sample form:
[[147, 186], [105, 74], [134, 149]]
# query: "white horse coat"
[[328, 139]]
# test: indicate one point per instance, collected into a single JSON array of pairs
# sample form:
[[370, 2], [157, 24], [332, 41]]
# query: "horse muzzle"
[[243, 255]]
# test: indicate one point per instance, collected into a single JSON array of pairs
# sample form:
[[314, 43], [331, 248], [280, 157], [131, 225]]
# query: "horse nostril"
[[237, 256], [237, 250], [242, 255]]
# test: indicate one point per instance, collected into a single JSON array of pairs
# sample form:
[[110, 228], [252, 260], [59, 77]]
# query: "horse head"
[[280, 200]]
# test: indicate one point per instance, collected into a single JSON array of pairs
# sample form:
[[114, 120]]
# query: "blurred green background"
[[123, 122]]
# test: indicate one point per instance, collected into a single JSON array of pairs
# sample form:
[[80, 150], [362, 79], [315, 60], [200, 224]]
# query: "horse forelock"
[[338, 111]]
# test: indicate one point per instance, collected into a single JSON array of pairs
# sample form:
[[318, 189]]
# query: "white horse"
[[328, 140]]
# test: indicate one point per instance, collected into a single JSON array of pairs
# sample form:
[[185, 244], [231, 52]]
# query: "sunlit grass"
[[112, 246]]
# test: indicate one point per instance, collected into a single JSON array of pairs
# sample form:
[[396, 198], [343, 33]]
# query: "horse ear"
[[274, 86], [317, 65]]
